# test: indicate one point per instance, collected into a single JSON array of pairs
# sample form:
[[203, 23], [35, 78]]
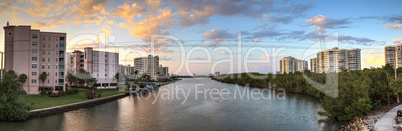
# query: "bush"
[[75, 91], [99, 94], [62, 93], [43, 92], [11, 108], [22, 92], [90, 95]]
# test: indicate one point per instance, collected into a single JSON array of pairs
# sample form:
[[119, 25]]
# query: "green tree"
[[43, 77], [135, 74], [117, 77], [11, 107], [22, 79], [12, 74], [395, 85]]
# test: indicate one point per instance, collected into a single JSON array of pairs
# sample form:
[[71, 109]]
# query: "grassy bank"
[[39, 101]]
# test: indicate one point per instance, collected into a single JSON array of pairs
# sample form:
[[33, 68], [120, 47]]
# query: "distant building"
[[313, 65], [163, 71], [31, 52], [102, 65], [291, 64], [393, 55], [147, 65], [334, 60]]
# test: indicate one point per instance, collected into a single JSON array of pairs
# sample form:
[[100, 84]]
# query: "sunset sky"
[[214, 26]]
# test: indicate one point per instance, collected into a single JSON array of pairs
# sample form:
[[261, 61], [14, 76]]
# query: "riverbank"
[[64, 108], [41, 101], [46, 106]]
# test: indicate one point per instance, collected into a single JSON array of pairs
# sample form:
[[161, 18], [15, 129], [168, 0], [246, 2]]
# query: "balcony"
[[61, 69], [61, 83], [61, 55], [61, 76], [62, 47], [61, 62]]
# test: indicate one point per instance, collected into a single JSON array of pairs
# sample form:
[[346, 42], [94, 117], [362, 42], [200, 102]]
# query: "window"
[[57, 52], [48, 52], [34, 43], [105, 75], [48, 73], [34, 51], [48, 66], [55, 81], [48, 59], [56, 59], [33, 81], [33, 73], [43, 38], [48, 45], [57, 39], [49, 38], [34, 36], [43, 59], [34, 58], [57, 45], [48, 81], [43, 52], [55, 74], [34, 65], [43, 45], [56, 66], [43, 66]]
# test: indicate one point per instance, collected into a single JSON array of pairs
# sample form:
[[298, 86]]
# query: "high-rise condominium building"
[[147, 65], [31, 52], [163, 71], [313, 65], [102, 65], [291, 64], [393, 55], [334, 60]]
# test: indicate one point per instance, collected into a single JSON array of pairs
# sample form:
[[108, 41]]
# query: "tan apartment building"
[[163, 71], [102, 65], [334, 60], [291, 64], [313, 65], [393, 55], [147, 65], [31, 52]]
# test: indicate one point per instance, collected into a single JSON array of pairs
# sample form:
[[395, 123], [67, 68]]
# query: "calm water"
[[276, 111]]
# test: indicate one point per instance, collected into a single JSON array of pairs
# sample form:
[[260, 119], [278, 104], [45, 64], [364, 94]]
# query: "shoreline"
[[43, 112]]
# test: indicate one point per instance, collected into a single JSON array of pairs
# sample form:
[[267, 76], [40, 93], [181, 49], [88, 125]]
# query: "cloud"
[[398, 26], [322, 23], [398, 40], [199, 11], [374, 61], [217, 36], [128, 12], [255, 40]]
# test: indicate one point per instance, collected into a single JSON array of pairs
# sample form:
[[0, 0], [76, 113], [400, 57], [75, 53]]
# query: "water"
[[279, 112]]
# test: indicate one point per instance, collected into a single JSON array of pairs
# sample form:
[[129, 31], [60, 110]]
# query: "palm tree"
[[12, 73], [135, 74], [43, 77], [22, 79], [117, 77]]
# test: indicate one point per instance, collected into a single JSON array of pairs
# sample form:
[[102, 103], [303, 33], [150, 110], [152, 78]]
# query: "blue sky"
[[209, 25]]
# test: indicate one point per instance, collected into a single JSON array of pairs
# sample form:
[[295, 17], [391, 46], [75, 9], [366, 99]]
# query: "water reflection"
[[294, 112]]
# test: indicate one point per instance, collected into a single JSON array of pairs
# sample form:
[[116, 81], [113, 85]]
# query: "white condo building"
[[334, 60], [147, 65], [102, 65]]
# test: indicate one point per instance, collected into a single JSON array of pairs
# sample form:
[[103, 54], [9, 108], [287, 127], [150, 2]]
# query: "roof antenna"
[[8, 23]]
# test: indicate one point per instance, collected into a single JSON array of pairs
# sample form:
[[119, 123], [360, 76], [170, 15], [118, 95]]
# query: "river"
[[192, 104]]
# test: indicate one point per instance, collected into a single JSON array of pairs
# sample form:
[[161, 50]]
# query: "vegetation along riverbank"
[[358, 92]]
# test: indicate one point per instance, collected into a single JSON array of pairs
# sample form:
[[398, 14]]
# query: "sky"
[[204, 36]]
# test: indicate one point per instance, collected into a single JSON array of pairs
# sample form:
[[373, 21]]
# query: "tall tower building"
[[31, 52], [313, 65], [291, 64], [147, 65], [393, 55], [334, 60]]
